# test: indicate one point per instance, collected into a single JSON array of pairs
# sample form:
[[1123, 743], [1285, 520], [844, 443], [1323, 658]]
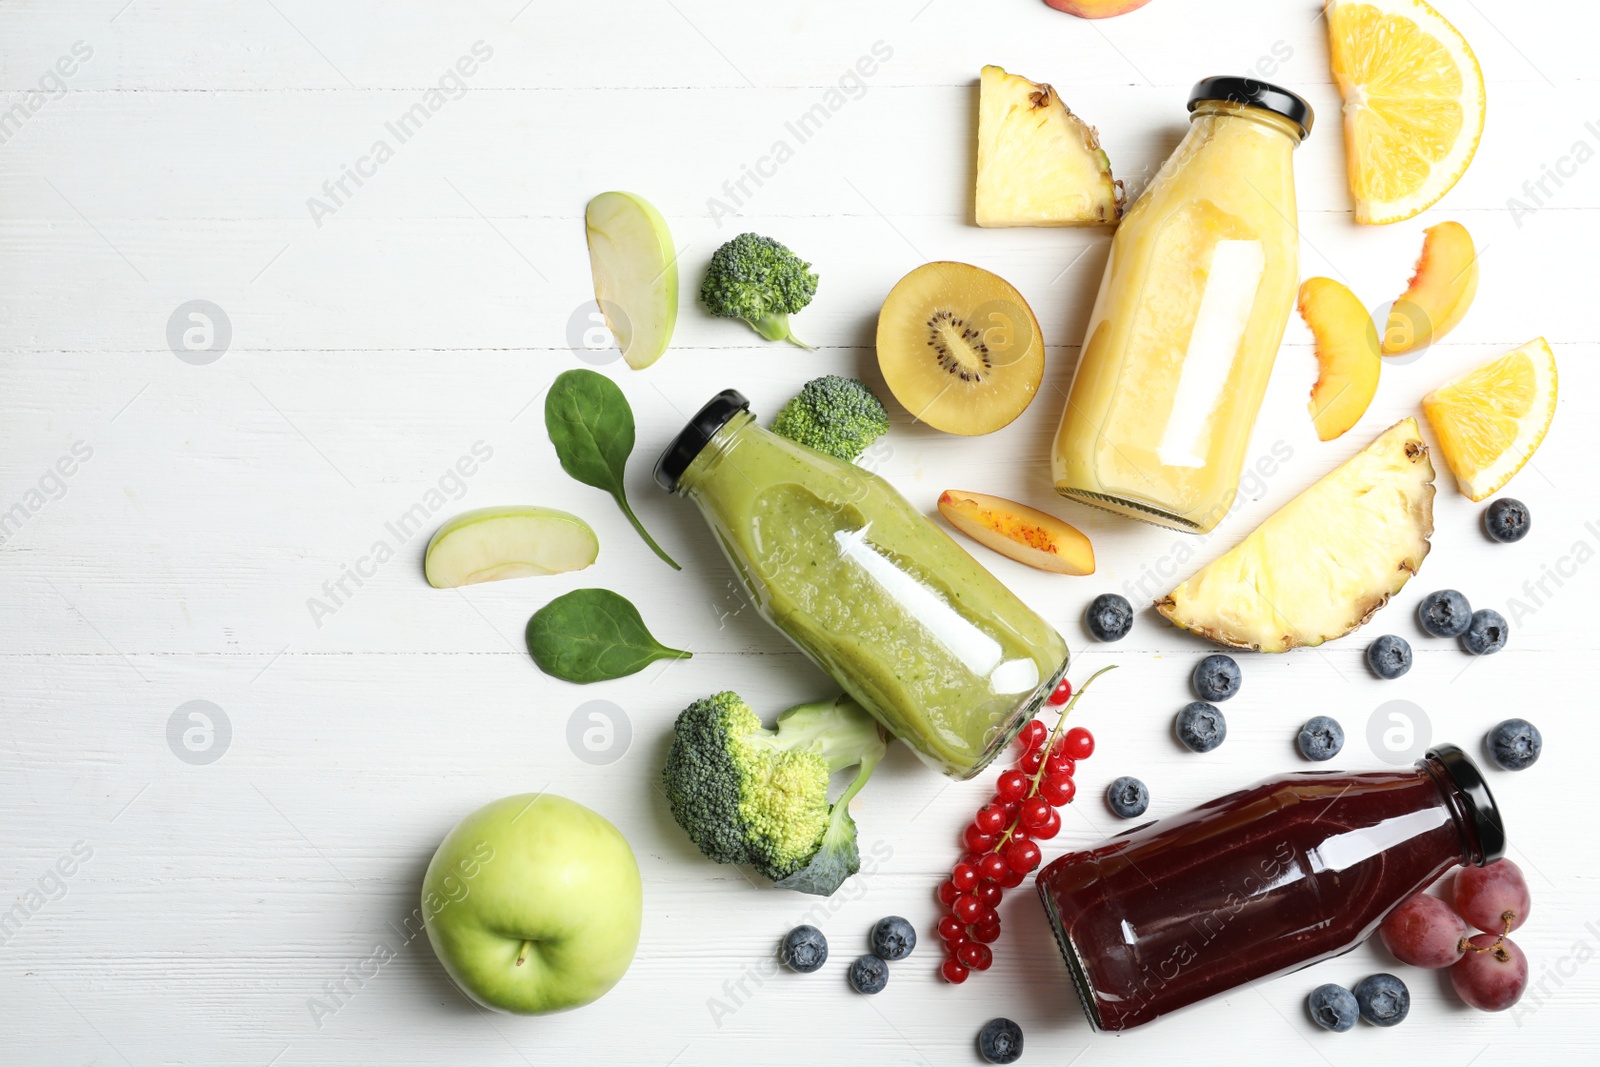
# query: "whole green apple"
[[533, 904]]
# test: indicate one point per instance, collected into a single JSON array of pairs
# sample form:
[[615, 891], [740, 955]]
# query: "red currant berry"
[[1051, 828], [976, 955], [953, 972], [950, 928], [991, 819], [1079, 743], [1031, 760], [989, 933], [1058, 762], [977, 840], [990, 893], [1035, 813], [1022, 856], [948, 892], [1013, 785], [992, 867], [966, 908], [1013, 878], [1062, 694], [964, 877], [986, 916], [1032, 735], [1058, 789]]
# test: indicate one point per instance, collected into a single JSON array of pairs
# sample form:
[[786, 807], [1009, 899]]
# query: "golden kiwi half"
[[960, 348]]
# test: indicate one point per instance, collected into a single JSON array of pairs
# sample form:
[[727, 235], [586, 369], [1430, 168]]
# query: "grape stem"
[[1505, 917], [1049, 743]]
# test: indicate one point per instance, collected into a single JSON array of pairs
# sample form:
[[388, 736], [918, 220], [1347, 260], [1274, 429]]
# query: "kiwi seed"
[[960, 348]]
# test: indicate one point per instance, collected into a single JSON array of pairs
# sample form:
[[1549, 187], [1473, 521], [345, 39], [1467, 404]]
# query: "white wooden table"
[[216, 497]]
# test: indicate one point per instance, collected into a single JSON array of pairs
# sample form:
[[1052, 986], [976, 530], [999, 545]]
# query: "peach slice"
[[1096, 9], [1018, 532], [1347, 355], [1440, 293]]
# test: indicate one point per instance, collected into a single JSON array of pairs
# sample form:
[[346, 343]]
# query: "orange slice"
[[1413, 104], [1490, 421]]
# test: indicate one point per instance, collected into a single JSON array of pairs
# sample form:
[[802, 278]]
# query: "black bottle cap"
[[1476, 798], [696, 435], [1255, 93]]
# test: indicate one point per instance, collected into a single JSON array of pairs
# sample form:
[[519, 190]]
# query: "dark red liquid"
[[1257, 883]]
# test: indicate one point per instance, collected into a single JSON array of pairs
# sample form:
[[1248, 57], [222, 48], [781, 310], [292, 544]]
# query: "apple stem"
[[522, 953]]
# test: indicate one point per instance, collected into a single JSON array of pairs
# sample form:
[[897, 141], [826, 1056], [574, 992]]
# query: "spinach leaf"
[[591, 425], [592, 635]]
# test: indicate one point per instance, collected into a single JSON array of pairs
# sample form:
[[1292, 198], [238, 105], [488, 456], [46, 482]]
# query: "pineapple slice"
[[1325, 562], [1038, 163]]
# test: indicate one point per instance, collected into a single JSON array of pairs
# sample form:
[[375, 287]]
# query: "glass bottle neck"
[[715, 451], [1461, 807], [1216, 110]]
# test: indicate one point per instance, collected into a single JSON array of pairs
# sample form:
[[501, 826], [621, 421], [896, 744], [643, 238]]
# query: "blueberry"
[[893, 939], [1109, 617], [1000, 1041], [1514, 745], [804, 949], [1382, 999], [1389, 656], [1445, 613], [869, 974], [1506, 520], [1320, 739], [1333, 1007], [1201, 727], [1128, 797], [1216, 678], [1486, 633]]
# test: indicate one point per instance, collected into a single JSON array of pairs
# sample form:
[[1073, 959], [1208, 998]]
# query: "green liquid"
[[908, 623]]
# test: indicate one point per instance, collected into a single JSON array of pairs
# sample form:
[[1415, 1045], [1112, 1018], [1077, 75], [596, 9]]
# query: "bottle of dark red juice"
[[1261, 882]]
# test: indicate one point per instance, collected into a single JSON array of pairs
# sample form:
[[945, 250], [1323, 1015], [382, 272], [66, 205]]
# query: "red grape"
[[991, 819], [953, 972], [976, 839], [989, 894], [1493, 978], [992, 867], [950, 927], [1032, 735], [948, 892], [1023, 855], [1013, 785], [1058, 789], [1492, 898], [966, 907], [1079, 743], [1425, 932], [1035, 813]]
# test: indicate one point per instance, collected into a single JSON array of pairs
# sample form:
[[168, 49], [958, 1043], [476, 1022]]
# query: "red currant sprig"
[[1002, 840]]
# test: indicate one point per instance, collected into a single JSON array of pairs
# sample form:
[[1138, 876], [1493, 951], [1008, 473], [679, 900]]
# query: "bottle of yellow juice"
[[1192, 308]]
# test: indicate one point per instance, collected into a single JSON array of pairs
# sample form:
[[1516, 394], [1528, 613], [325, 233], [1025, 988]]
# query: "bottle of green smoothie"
[[906, 622]]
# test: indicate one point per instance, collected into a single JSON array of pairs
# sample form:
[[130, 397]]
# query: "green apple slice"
[[490, 544], [635, 274]]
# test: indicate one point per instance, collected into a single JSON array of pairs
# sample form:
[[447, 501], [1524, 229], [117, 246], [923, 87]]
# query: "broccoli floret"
[[756, 279], [833, 414], [746, 794]]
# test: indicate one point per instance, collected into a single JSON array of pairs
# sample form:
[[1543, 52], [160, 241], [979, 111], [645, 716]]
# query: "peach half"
[[1441, 290], [1096, 9], [1018, 532], [1347, 355]]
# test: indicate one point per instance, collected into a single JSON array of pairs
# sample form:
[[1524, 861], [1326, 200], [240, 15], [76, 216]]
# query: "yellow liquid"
[[1181, 342], [902, 618]]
